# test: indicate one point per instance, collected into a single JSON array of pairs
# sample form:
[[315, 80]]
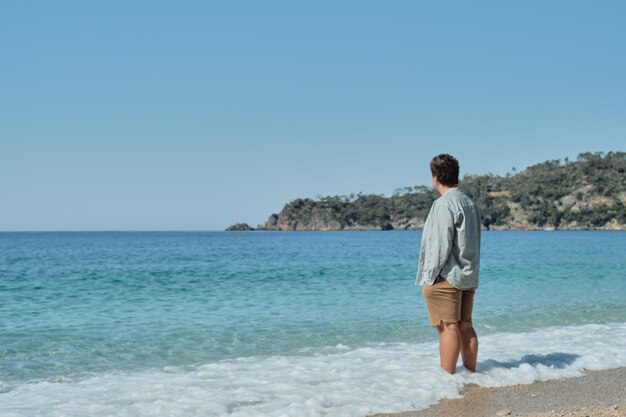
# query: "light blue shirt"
[[451, 241]]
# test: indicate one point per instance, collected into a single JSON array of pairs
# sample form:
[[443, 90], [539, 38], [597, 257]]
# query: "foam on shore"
[[339, 381]]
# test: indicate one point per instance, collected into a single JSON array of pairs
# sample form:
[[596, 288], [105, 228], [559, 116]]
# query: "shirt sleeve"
[[443, 238]]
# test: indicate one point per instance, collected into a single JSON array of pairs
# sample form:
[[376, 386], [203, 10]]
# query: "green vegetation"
[[586, 193]]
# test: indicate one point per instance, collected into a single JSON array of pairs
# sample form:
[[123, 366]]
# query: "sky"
[[195, 115]]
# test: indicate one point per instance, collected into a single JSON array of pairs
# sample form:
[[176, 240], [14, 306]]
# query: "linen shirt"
[[450, 243]]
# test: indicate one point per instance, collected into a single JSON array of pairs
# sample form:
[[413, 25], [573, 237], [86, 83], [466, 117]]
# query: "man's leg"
[[469, 345], [449, 345], [469, 340]]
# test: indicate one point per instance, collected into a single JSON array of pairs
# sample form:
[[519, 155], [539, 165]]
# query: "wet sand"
[[597, 393]]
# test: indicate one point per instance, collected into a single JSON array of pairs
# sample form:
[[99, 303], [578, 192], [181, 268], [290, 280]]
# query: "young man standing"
[[449, 263]]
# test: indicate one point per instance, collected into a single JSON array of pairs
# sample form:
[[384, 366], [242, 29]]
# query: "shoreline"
[[596, 393], [558, 229]]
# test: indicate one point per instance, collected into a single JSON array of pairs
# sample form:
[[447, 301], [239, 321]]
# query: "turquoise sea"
[[270, 323]]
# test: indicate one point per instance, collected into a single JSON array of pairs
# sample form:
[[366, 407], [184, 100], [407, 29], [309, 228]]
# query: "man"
[[448, 265]]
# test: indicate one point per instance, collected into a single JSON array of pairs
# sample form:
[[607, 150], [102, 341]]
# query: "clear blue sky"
[[150, 115]]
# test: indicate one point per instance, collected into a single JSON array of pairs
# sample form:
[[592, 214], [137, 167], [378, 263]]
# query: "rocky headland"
[[588, 193]]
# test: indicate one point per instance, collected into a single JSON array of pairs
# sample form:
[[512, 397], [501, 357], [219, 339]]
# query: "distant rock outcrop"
[[239, 226], [589, 193]]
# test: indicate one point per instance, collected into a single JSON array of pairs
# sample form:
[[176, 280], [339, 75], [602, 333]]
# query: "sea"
[[298, 323]]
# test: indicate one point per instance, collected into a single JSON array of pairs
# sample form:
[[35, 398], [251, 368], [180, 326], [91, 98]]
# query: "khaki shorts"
[[447, 303]]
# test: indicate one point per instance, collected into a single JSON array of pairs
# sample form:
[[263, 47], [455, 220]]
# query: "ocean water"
[[287, 323]]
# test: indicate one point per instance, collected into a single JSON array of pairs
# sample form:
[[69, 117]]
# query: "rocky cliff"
[[588, 193]]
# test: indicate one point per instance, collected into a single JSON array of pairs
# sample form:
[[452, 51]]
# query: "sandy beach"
[[597, 393]]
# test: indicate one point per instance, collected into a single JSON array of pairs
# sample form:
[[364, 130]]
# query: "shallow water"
[[287, 323]]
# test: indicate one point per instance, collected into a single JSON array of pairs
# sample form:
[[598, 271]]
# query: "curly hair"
[[446, 168]]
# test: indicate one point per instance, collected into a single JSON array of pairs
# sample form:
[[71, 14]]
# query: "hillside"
[[588, 193]]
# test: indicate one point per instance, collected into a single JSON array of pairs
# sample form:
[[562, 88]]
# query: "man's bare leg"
[[449, 345], [469, 345]]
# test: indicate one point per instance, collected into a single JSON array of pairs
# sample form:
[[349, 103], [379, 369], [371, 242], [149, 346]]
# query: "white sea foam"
[[342, 381]]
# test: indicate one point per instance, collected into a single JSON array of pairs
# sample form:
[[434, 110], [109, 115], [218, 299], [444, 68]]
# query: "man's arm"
[[443, 237]]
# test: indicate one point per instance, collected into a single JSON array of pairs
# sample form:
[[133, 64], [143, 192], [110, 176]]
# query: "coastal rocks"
[[326, 222], [297, 216], [239, 226], [547, 197], [408, 224], [313, 220]]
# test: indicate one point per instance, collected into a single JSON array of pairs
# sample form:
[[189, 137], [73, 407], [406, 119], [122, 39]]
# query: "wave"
[[338, 381]]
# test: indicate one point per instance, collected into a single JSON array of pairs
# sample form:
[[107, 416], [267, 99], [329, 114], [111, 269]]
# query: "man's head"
[[445, 171]]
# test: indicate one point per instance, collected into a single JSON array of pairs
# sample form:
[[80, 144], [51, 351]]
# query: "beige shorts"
[[447, 303]]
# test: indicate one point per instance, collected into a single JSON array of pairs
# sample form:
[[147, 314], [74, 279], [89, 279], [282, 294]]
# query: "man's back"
[[451, 241], [451, 248]]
